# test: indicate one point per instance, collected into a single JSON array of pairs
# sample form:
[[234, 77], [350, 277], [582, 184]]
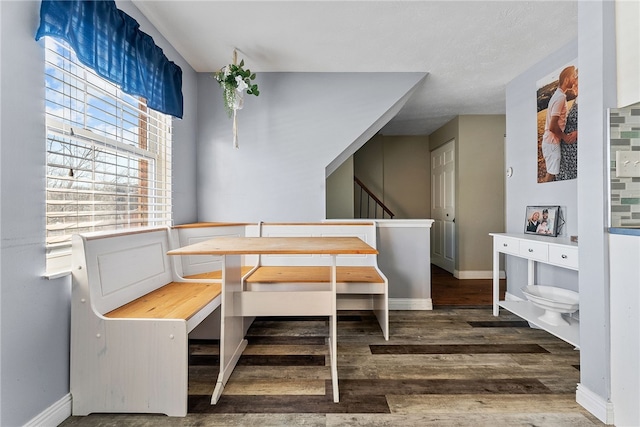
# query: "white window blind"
[[108, 156]]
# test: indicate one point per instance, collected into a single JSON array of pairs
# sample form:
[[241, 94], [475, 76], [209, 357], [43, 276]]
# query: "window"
[[108, 156]]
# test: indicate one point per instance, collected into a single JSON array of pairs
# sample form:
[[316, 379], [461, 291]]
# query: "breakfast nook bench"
[[131, 314], [360, 283]]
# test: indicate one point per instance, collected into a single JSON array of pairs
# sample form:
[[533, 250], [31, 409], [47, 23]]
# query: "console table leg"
[[496, 281]]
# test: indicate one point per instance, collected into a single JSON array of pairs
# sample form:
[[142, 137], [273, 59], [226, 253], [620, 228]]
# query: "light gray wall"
[[479, 189], [407, 176], [288, 137], [522, 189], [585, 199], [396, 169], [35, 312], [596, 49], [340, 191], [404, 256], [368, 166]]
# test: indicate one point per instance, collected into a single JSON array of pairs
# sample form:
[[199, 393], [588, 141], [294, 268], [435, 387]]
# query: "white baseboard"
[[599, 407], [410, 304], [54, 415], [476, 274]]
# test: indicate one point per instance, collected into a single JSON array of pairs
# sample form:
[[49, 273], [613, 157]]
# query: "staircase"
[[370, 205]]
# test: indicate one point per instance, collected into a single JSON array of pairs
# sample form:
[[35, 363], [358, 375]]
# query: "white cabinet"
[[627, 52], [559, 252], [624, 267]]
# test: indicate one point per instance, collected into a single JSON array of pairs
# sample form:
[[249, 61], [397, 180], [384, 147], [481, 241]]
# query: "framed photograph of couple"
[[542, 220], [557, 119]]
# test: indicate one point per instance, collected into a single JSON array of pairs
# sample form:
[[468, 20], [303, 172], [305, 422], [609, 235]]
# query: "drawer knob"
[[530, 250], [564, 256], [505, 245]]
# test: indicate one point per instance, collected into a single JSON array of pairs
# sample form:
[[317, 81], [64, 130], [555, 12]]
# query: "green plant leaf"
[[227, 79]]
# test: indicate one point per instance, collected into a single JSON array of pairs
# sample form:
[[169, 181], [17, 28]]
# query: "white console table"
[[560, 252]]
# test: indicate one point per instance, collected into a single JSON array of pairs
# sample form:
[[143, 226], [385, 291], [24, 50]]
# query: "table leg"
[[333, 334], [531, 272], [232, 341], [496, 281]]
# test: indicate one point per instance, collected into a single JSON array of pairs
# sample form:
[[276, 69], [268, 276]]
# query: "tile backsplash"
[[624, 129]]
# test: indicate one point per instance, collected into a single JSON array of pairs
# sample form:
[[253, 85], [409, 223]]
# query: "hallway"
[[446, 290]]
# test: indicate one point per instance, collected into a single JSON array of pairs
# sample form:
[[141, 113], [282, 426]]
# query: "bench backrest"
[[118, 267], [364, 230], [189, 234]]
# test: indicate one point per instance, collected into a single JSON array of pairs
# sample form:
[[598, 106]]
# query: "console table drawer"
[[507, 245], [534, 250], [564, 256]]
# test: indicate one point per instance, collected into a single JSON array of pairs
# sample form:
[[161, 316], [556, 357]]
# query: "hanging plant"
[[234, 81]]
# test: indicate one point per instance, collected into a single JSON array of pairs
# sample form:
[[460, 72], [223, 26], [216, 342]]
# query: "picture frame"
[[542, 220], [557, 159]]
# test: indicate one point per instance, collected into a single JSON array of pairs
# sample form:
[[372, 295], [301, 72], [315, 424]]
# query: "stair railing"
[[371, 198]]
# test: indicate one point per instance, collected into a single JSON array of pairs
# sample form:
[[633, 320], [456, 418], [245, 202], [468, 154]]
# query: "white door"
[[443, 170]]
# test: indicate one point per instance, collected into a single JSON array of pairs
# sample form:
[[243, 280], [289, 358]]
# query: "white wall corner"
[[410, 304], [598, 406], [54, 415]]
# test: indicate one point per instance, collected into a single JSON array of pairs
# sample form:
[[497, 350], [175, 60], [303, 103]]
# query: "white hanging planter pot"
[[238, 103], [238, 100]]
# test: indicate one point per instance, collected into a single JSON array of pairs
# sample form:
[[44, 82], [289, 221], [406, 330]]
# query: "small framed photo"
[[542, 220]]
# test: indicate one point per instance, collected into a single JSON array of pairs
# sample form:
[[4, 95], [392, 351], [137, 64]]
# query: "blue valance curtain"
[[111, 43]]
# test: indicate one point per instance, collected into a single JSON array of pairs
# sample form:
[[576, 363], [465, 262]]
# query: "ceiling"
[[471, 49]]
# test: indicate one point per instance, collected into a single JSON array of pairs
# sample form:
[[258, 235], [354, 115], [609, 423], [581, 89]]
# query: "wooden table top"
[[276, 245]]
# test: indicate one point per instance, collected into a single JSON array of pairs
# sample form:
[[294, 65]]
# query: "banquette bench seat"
[[360, 285], [130, 319]]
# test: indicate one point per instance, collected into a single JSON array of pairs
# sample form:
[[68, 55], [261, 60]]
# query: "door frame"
[[443, 233]]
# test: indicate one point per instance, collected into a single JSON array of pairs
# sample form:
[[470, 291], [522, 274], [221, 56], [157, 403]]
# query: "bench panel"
[[122, 365], [125, 266], [130, 267], [307, 303]]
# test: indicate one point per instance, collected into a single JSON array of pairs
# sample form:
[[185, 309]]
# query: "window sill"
[[52, 275]]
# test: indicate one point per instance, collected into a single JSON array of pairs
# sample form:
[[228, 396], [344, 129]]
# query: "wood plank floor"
[[453, 366], [446, 290]]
